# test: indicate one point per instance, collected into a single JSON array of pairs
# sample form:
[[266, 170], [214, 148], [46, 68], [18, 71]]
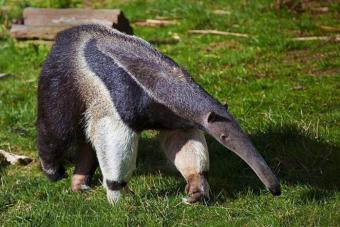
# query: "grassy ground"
[[285, 94]]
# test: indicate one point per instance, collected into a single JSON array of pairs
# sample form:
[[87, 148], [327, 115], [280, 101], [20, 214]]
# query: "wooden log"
[[23, 32], [45, 23], [62, 17]]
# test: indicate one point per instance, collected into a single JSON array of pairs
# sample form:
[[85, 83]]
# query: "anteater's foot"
[[57, 174], [54, 173], [115, 189], [197, 189], [113, 197], [80, 182]]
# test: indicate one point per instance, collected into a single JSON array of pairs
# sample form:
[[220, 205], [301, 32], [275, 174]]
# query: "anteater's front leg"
[[116, 148], [187, 149]]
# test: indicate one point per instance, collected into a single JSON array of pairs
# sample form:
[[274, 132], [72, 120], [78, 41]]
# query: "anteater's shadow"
[[295, 157]]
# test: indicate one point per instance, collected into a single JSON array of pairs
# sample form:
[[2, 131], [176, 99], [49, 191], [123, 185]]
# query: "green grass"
[[285, 94]]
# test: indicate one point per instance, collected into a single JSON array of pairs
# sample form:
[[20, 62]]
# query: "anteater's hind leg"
[[86, 165], [51, 151], [187, 149], [59, 114], [116, 148]]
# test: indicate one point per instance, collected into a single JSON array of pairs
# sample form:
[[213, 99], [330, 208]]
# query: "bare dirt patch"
[[314, 6], [302, 56], [308, 61], [224, 45], [327, 72]]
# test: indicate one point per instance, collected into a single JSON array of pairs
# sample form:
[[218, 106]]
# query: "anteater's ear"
[[211, 117], [226, 106]]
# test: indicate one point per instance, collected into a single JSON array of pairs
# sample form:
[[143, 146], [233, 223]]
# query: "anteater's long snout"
[[228, 132], [241, 145], [249, 154]]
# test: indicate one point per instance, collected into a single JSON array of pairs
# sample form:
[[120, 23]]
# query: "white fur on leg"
[[115, 145], [116, 148], [187, 149]]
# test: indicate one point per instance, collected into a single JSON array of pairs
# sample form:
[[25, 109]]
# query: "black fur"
[[114, 185]]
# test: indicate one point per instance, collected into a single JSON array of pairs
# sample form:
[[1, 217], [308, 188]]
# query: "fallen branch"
[[329, 28], [321, 38], [4, 75], [14, 159], [221, 12], [320, 10], [155, 22], [215, 32]]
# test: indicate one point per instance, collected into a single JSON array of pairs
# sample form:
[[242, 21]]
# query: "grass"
[[285, 95]]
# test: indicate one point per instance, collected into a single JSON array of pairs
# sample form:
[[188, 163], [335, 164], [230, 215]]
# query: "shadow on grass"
[[296, 158], [299, 158]]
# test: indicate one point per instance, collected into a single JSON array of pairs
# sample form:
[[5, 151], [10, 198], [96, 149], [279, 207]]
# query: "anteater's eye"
[[223, 137], [227, 120]]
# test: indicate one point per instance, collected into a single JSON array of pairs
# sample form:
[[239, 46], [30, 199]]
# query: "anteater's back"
[[90, 64]]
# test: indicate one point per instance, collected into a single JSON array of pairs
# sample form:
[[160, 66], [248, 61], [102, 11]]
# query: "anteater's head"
[[225, 129]]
